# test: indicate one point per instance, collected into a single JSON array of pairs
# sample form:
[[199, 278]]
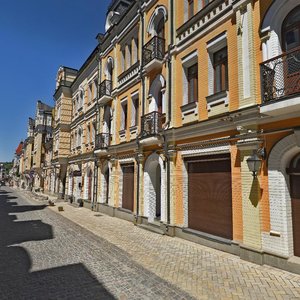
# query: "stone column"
[[251, 248]]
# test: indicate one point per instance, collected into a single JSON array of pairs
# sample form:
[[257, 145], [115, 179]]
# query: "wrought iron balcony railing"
[[151, 124], [105, 88], [102, 141], [154, 49], [281, 76]]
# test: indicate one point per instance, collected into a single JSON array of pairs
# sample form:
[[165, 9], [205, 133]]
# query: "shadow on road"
[[16, 281]]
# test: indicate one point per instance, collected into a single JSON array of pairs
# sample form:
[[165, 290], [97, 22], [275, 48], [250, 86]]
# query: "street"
[[45, 255]]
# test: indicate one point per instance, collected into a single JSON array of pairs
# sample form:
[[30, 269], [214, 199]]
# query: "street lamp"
[[254, 161]]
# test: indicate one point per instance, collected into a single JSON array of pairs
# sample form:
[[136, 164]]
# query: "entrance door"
[[209, 195], [128, 187], [295, 195]]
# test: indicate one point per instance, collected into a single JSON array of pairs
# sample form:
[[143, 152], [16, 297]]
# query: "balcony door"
[[291, 45], [107, 120], [156, 90]]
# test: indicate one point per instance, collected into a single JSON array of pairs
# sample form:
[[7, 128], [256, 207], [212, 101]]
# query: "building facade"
[[185, 120]]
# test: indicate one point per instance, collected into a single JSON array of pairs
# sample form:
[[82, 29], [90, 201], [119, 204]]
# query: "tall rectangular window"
[[95, 86], [135, 112], [192, 78], [220, 64], [90, 92], [124, 116], [190, 8]]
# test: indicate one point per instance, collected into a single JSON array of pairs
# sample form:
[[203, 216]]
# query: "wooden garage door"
[[209, 195], [294, 172], [128, 187]]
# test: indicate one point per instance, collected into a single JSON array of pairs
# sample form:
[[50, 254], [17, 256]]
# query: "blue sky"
[[37, 36]]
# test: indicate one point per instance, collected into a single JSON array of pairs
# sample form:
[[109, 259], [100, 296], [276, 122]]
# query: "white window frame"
[[134, 97], [212, 47], [123, 103], [187, 62]]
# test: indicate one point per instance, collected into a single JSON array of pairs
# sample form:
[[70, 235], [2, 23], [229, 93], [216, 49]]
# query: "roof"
[[44, 107], [19, 149]]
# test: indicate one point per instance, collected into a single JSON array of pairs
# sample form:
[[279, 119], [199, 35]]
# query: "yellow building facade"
[[185, 121]]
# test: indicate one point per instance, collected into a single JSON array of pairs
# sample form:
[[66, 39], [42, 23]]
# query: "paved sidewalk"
[[202, 272]]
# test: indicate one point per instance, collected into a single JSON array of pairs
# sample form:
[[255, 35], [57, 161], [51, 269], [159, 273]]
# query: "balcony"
[[105, 89], [151, 128], [281, 84], [153, 54], [102, 142]]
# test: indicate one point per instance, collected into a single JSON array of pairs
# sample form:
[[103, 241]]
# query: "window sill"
[[217, 103], [133, 129], [189, 112], [122, 133]]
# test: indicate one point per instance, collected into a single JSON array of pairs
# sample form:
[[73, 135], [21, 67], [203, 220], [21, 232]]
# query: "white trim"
[[149, 201], [279, 198], [151, 24], [205, 151], [218, 43]]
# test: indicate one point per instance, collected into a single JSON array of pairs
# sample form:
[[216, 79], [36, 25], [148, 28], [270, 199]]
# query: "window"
[[90, 88], [79, 137], [93, 131], [291, 30], [192, 77], [220, 65], [88, 133], [128, 56], [76, 103], [160, 30], [81, 95], [135, 111], [124, 115], [95, 89], [123, 60], [190, 8]]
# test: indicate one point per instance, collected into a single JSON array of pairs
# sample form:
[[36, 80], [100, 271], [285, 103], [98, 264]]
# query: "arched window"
[[156, 26], [291, 30], [160, 29]]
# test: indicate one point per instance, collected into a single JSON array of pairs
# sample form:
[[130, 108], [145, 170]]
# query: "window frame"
[[190, 8], [222, 65], [193, 84]]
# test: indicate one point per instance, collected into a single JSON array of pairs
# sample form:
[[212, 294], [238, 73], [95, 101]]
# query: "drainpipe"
[[166, 146], [143, 110], [137, 181], [141, 54], [97, 130]]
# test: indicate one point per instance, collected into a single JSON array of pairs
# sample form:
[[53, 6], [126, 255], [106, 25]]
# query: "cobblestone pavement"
[[45, 256], [124, 261]]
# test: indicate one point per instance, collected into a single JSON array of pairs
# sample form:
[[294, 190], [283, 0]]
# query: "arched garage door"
[[209, 195]]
